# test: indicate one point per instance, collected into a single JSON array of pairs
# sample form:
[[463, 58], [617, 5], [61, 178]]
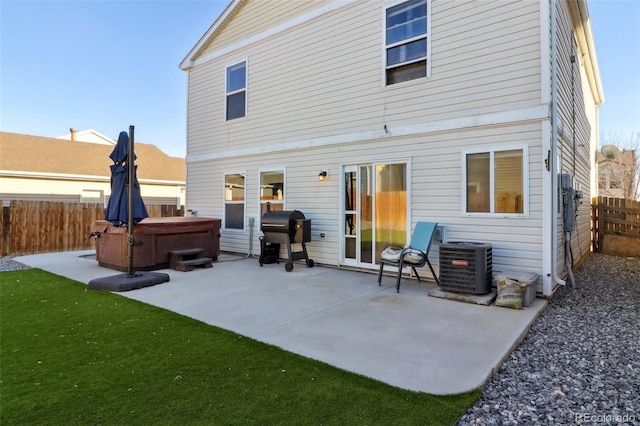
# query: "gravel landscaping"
[[580, 361], [8, 264]]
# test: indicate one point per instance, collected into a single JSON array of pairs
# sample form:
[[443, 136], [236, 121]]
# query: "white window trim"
[[246, 88], [384, 43], [225, 201], [525, 180]]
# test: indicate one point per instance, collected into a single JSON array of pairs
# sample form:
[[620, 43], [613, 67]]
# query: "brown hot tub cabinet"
[[158, 236]]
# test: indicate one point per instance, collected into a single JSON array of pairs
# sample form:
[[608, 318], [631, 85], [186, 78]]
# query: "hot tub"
[[158, 236]]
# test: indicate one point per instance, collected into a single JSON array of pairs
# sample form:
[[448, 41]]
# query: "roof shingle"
[[27, 153]]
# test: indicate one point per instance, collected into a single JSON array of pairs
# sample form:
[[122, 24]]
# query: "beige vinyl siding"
[[435, 172], [51, 189], [576, 110], [324, 77], [571, 100], [59, 198], [254, 17]]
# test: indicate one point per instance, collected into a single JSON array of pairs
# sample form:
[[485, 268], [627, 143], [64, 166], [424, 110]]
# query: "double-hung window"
[[234, 201], [271, 191], [406, 38], [495, 181], [236, 106]]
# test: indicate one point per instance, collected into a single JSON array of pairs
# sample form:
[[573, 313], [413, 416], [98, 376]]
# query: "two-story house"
[[461, 112]]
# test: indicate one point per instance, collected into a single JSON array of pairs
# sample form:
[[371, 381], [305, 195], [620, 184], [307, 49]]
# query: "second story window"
[[236, 91], [406, 41]]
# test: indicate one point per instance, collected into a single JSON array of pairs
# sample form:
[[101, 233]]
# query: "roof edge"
[[187, 62], [587, 45], [80, 133]]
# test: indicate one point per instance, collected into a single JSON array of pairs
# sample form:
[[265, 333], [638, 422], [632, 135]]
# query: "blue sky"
[[105, 65], [100, 65]]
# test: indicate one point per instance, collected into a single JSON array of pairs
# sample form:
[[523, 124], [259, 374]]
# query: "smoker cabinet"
[[269, 252]]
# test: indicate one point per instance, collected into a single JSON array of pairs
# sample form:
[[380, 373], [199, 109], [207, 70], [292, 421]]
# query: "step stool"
[[186, 260]]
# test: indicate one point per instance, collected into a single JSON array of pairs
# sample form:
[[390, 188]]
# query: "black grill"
[[286, 227]]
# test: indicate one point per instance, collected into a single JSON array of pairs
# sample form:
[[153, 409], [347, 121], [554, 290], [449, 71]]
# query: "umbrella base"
[[126, 282]]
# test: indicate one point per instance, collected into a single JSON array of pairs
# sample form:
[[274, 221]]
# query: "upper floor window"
[[602, 181], [495, 181], [406, 41], [236, 90], [615, 181]]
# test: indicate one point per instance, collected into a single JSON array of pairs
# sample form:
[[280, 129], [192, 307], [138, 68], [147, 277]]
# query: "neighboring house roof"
[[626, 158], [51, 156], [89, 135]]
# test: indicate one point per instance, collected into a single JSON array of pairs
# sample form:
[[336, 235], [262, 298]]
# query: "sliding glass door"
[[374, 211]]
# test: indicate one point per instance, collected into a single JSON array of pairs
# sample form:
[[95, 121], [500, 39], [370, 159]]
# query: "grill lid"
[[281, 218]]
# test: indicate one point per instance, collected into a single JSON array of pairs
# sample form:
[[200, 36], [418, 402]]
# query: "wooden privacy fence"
[[29, 227], [615, 217]]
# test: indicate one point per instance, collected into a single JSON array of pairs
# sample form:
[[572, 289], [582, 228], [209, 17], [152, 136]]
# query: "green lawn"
[[75, 356]]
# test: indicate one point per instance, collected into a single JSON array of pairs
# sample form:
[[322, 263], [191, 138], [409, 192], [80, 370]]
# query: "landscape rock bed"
[[580, 361], [8, 264]]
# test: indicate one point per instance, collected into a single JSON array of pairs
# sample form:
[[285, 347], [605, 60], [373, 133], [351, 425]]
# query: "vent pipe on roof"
[[73, 134]]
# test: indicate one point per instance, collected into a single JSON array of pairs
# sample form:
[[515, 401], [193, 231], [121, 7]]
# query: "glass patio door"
[[374, 211]]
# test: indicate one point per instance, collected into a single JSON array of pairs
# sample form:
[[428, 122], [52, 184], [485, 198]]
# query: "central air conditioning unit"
[[466, 267]]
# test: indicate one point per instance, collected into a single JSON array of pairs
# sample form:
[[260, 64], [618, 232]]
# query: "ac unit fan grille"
[[466, 267]]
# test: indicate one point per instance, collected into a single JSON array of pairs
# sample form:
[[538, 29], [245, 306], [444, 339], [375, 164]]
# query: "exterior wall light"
[[322, 175]]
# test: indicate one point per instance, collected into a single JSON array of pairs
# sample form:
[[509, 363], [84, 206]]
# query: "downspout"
[[568, 251], [554, 145]]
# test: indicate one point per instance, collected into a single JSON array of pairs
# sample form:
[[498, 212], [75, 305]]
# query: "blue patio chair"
[[416, 254]]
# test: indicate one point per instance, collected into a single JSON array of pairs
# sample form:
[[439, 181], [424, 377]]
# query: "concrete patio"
[[409, 340]]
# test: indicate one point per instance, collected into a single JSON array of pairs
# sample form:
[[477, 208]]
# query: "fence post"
[[601, 222], [6, 230], [594, 224]]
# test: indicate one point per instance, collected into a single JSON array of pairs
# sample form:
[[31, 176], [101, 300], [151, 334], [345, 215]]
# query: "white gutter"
[[554, 147], [585, 40]]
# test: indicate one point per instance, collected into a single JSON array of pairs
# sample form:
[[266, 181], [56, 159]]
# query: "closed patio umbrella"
[[117, 211], [126, 207]]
